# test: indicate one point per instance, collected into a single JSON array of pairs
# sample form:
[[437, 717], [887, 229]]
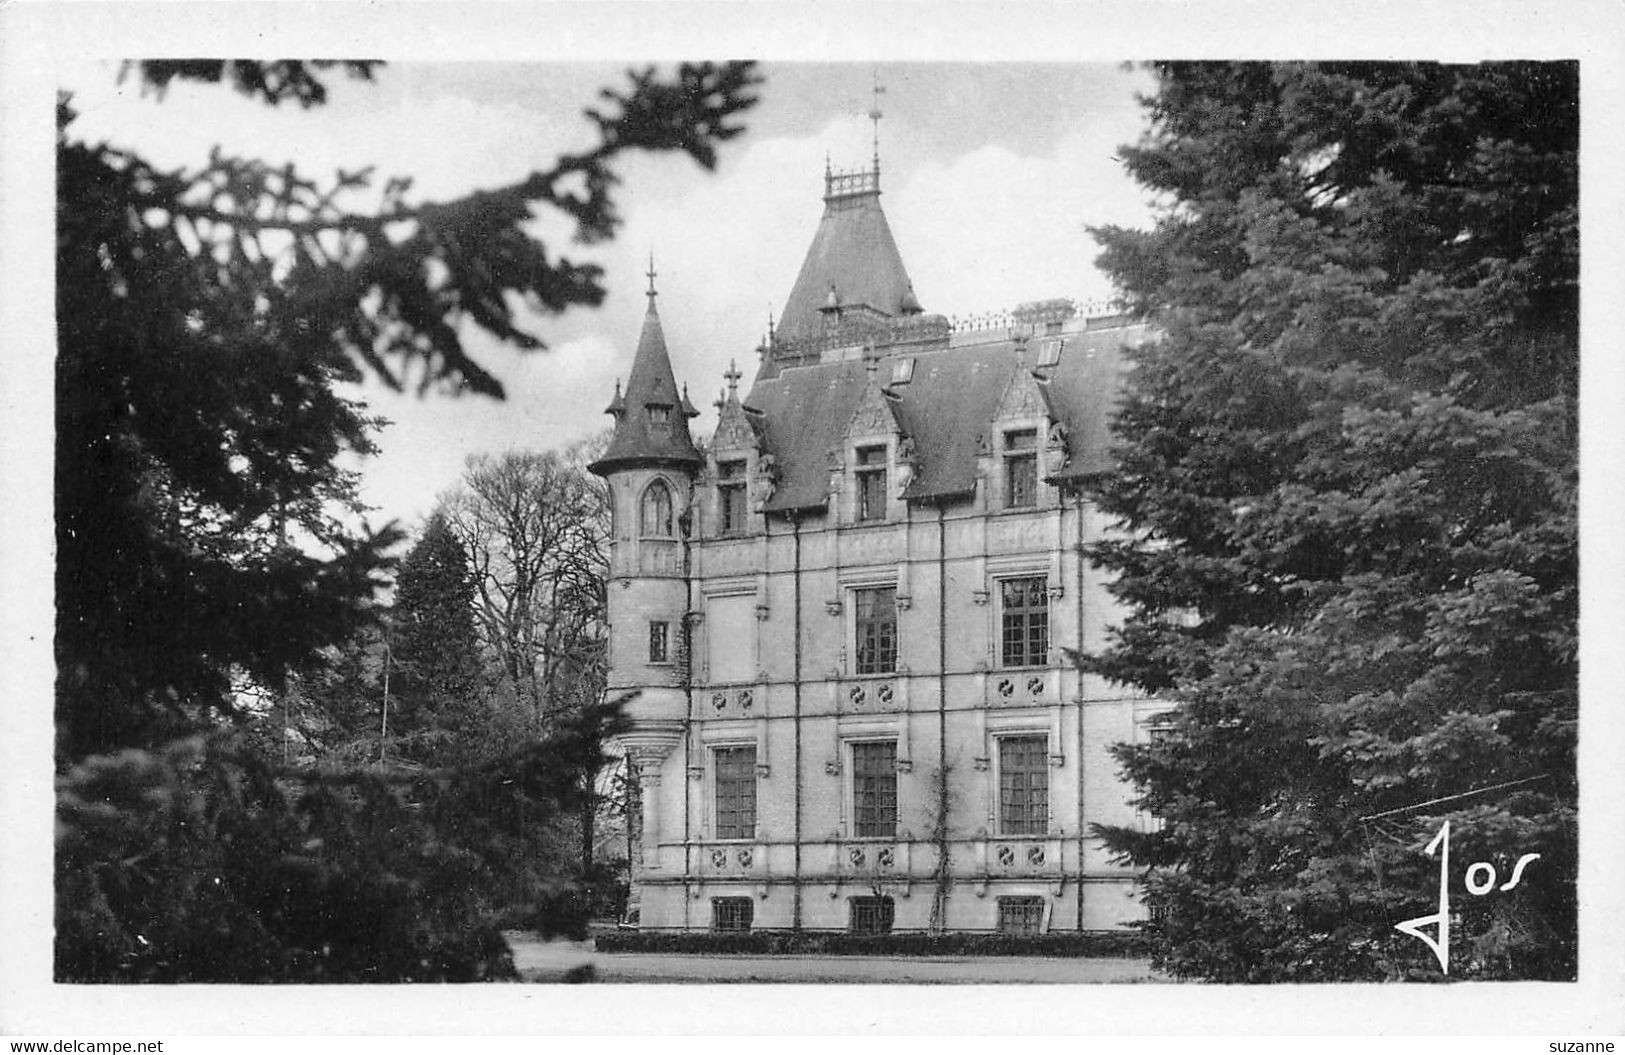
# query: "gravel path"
[[540, 961]]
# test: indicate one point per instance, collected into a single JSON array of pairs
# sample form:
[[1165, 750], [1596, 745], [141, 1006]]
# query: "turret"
[[649, 468]]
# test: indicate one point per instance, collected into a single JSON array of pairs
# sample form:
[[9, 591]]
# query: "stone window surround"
[[995, 478], [714, 789], [1027, 721], [732, 586], [891, 729], [732, 910], [1024, 902], [671, 493], [997, 769], [882, 908], [846, 605], [850, 787], [1031, 451], [990, 595], [740, 482], [732, 732], [862, 472], [845, 464], [666, 659]]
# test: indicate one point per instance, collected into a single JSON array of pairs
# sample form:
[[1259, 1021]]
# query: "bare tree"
[[536, 529]]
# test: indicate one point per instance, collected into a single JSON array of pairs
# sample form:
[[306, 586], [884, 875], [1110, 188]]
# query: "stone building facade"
[[848, 621]]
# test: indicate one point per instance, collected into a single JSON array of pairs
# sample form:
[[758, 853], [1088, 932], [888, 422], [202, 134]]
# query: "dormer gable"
[[875, 415]]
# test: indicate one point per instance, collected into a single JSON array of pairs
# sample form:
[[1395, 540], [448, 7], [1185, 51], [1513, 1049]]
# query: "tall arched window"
[[656, 515]]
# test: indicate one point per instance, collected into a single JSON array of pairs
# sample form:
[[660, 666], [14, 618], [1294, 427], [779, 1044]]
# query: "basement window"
[[872, 915], [1021, 915], [732, 913]]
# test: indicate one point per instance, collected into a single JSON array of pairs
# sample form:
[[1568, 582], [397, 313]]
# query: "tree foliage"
[[204, 549], [433, 650], [1346, 480], [536, 527], [203, 319], [199, 862]]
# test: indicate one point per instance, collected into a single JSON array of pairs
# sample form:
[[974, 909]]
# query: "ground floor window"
[[872, 915], [1021, 915], [732, 913]]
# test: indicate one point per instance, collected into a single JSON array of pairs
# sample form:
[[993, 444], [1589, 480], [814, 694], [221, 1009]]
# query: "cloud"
[[983, 221]]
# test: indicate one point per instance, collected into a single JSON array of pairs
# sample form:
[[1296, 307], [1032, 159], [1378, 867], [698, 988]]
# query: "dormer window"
[[731, 507], [1021, 468], [659, 413], [655, 519], [871, 479]]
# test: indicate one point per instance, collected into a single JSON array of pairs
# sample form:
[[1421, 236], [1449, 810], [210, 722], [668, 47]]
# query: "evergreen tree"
[[1346, 481], [434, 650], [204, 319]]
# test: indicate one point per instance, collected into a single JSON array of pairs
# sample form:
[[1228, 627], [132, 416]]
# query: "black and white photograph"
[[808, 519]]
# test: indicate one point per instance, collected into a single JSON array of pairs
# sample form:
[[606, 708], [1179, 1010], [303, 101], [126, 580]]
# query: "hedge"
[[838, 943]]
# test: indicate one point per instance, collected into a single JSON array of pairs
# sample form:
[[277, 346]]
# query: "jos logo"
[[1480, 878]]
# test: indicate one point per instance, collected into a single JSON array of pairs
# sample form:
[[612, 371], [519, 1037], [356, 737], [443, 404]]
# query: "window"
[[1024, 621], [1023, 785], [736, 792], [659, 641], [871, 474], [730, 637], [1021, 915], [1021, 468], [1159, 730], [659, 413], [656, 516], [874, 789], [872, 915], [732, 913], [731, 496], [875, 622]]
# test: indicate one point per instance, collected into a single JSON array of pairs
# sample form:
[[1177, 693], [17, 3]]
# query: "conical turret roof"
[[853, 258], [651, 419]]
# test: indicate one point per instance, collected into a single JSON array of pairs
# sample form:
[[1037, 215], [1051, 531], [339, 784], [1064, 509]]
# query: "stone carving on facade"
[[874, 415], [1058, 452], [733, 429], [766, 481], [1021, 398]]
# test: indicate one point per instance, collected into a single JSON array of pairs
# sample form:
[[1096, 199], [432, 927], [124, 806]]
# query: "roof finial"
[[875, 116], [651, 273], [733, 375]]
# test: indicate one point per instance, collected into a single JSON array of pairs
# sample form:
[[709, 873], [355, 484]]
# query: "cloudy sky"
[[991, 173]]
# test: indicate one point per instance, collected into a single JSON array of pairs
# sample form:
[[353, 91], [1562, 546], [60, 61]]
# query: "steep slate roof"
[[805, 412], [1082, 392], [639, 440], [947, 406], [854, 252]]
